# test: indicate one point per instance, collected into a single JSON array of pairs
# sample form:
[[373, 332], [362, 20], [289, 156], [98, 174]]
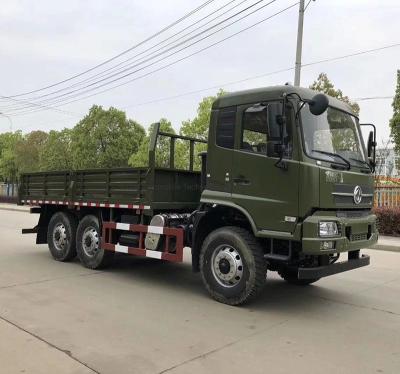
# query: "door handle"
[[242, 180]]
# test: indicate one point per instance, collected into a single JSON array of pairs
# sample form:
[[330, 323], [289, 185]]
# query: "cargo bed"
[[148, 188]]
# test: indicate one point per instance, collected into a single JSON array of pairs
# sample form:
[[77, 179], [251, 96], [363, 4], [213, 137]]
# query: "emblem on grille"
[[357, 195]]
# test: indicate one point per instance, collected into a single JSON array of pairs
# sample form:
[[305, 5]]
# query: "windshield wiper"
[[335, 155], [362, 162]]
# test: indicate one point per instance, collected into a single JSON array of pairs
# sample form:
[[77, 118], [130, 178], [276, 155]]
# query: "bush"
[[388, 221]]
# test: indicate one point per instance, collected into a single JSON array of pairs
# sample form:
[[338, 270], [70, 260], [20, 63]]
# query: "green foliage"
[[323, 84], [141, 157], [27, 151], [104, 138], [8, 161], [198, 126], [55, 153], [395, 120]]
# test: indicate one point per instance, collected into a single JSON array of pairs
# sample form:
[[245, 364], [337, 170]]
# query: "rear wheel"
[[61, 236], [88, 239], [291, 277], [232, 265]]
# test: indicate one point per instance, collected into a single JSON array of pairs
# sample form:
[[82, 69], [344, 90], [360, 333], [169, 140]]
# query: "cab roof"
[[270, 93]]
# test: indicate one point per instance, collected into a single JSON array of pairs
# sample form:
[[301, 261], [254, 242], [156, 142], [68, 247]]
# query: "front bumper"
[[337, 267], [355, 233]]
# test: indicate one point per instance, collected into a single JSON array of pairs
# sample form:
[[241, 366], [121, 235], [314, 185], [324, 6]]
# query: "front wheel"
[[232, 265], [88, 240]]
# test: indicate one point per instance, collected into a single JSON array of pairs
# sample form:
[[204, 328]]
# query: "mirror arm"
[[304, 102]]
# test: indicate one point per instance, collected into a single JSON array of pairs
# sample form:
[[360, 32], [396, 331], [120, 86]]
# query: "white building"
[[387, 162]]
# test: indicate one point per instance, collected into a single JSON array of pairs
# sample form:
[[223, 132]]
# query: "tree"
[[323, 84], [141, 157], [8, 163], [395, 120], [196, 128], [104, 138], [27, 151], [56, 151]]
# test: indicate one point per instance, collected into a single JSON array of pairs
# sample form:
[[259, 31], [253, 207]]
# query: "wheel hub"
[[90, 241], [227, 266], [60, 237], [224, 266]]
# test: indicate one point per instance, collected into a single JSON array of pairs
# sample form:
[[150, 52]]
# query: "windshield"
[[332, 136]]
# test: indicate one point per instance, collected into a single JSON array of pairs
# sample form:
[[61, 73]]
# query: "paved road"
[[144, 316]]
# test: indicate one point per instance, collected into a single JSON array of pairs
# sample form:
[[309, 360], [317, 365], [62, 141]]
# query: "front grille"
[[343, 194], [358, 237]]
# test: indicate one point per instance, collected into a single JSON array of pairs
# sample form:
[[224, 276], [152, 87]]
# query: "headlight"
[[327, 229]]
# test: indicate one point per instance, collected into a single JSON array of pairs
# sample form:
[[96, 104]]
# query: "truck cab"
[[303, 188]]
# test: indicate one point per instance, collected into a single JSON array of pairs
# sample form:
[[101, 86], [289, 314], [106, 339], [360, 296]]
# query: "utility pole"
[[299, 44], [9, 118]]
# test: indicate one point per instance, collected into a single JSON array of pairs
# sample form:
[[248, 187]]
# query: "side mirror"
[[371, 149], [318, 104], [370, 144]]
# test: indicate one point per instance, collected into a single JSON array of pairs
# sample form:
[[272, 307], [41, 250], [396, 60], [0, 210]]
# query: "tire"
[[88, 238], [61, 236], [290, 276], [232, 265]]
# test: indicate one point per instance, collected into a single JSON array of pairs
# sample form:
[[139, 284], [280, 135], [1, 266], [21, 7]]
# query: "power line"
[[210, 88], [353, 54], [273, 73], [309, 1], [252, 77], [122, 64], [373, 98], [187, 15], [152, 56], [65, 100], [39, 106]]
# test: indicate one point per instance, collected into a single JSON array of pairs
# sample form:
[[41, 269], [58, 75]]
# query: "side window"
[[226, 127], [255, 129], [261, 132]]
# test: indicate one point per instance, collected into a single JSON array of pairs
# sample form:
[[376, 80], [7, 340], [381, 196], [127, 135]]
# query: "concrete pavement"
[[145, 316], [14, 207], [388, 243]]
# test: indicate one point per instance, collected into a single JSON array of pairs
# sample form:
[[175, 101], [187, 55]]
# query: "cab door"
[[220, 153], [268, 193]]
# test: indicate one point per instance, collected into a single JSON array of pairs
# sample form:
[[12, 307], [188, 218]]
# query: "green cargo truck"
[[286, 185]]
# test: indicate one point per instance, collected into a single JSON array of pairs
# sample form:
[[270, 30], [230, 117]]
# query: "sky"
[[44, 42]]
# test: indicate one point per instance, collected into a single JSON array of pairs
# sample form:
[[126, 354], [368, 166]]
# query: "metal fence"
[[387, 196]]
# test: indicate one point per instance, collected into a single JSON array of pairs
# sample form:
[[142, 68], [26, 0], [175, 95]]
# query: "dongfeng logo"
[[357, 195]]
